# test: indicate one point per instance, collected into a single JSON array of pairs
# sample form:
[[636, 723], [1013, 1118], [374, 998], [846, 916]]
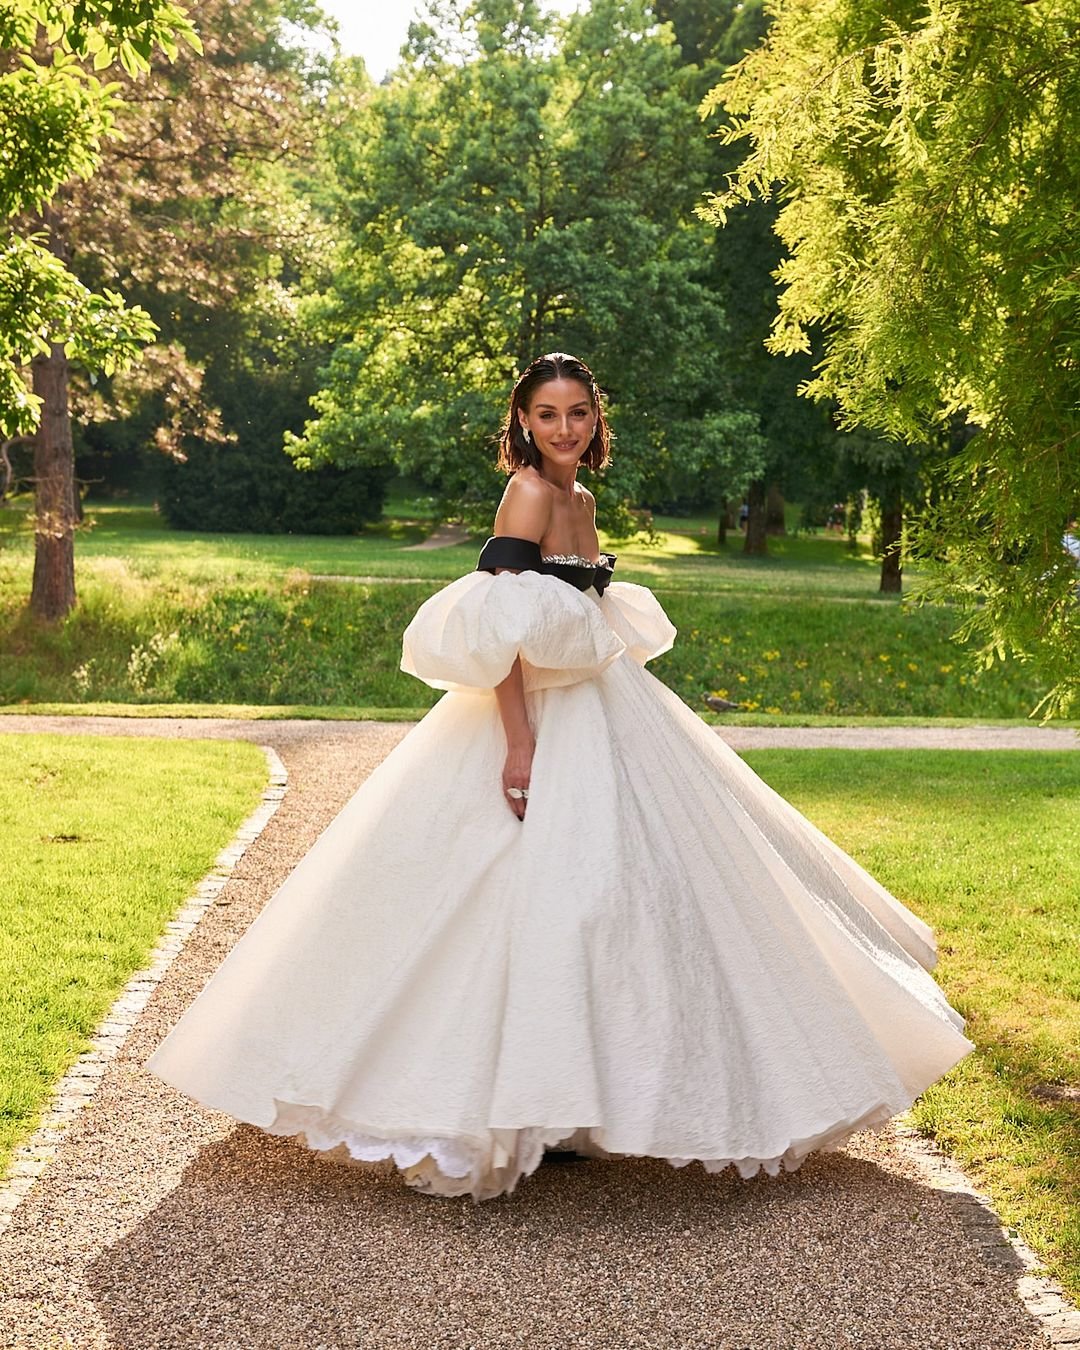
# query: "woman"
[[562, 911]]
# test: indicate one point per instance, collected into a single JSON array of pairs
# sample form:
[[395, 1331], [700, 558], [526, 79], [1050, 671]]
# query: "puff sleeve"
[[638, 618], [466, 636]]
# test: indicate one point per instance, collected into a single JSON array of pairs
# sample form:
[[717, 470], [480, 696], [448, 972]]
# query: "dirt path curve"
[[162, 1225], [443, 536]]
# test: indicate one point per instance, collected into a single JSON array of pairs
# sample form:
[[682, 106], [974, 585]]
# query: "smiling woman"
[[562, 916]]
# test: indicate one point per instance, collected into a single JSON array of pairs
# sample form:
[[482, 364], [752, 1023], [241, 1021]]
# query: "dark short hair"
[[514, 450]]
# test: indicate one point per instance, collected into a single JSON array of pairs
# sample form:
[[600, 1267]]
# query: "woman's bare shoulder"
[[525, 509]]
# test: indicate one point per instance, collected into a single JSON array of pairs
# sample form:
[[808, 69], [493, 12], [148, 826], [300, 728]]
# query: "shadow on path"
[[264, 1243]]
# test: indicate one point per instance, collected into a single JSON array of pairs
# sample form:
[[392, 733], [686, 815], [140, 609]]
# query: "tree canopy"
[[524, 184], [55, 114], [926, 157]]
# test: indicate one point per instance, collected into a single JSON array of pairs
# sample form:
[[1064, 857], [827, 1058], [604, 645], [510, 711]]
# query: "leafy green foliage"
[[128, 29], [54, 116], [52, 121], [927, 157], [207, 210], [522, 185], [257, 487], [42, 302], [798, 440]]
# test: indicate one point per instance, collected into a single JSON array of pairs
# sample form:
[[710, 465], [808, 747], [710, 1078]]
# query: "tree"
[[56, 116], [928, 160], [222, 163], [797, 439], [522, 185], [191, 213]]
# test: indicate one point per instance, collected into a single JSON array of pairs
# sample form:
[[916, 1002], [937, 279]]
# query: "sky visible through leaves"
[[375, 29]]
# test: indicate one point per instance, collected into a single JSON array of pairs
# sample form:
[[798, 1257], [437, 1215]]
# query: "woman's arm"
[[520, 742], [524, 512]]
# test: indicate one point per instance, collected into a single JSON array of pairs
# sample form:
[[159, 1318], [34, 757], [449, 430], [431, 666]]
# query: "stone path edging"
[[79, 1084], [1043, 1297]]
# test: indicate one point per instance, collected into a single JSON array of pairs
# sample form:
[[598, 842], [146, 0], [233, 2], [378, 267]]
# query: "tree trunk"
[[53, 591], [722, 524], [775, 523], [756, 541], [892, 522]]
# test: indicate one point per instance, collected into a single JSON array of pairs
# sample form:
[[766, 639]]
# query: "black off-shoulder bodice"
[[506, 550]]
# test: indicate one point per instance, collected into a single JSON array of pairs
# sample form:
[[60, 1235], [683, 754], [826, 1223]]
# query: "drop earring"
[[527, 434]]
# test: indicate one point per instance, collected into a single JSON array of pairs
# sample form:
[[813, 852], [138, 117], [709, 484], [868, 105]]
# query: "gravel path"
[[160, 1224], [289, 731]]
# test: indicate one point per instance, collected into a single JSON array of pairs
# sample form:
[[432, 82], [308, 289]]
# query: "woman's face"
[[561, 420]]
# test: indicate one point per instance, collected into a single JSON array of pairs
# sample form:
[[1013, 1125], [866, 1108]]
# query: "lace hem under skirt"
[[491, 1164]]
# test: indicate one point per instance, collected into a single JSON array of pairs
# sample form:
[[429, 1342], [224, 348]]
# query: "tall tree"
[[185, 210], [797, 437], [56, 116], [927, 155], [521, 185]]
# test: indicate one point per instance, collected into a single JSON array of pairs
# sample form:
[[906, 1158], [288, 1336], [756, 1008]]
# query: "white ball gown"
[[663, 959]]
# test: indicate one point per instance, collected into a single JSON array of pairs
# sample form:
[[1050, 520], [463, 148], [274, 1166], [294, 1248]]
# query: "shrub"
[[259, 490]]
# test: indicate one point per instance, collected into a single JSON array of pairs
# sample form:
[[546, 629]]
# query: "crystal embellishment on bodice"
[[522, 555], [569, 559]]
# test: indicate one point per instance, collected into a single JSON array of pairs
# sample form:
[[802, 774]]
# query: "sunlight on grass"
[[101, 841], [167, 616], [983, 847]]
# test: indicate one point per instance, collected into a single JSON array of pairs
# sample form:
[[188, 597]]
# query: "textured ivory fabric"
[[664, 959]]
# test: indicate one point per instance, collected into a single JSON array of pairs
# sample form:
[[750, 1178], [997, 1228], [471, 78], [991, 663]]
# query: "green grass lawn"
[[170, 617], [100, 842], [983, 847]]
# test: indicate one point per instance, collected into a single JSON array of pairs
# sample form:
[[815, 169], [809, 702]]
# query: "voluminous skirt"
[[663, 959]]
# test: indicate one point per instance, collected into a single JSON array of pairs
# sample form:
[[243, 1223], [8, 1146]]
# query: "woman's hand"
[[517, 771]]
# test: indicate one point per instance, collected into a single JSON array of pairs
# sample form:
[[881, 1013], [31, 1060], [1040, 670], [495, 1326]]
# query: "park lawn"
[[101, 841], [167, 617], [983, 847], [683, 558]]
